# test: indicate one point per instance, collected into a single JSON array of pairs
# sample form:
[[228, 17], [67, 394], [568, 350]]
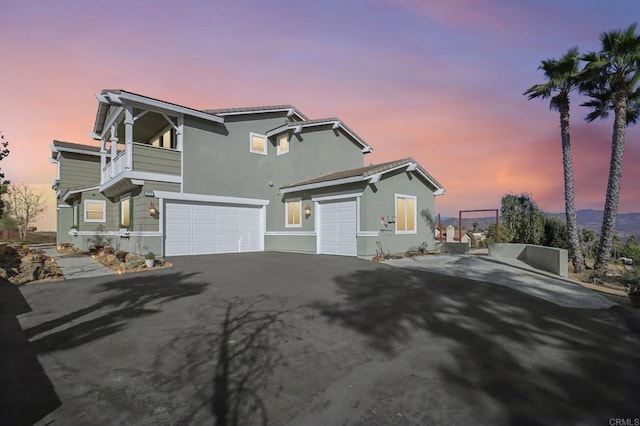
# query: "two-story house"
[[180, 181]]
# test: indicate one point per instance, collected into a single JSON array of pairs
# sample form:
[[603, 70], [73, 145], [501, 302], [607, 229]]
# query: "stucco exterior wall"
[[379, 200]]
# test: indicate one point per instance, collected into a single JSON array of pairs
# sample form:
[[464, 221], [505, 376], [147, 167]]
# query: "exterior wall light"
[[307, 211], [153, 211]]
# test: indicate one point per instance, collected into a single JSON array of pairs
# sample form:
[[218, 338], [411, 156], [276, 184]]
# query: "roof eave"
[[324, 184]]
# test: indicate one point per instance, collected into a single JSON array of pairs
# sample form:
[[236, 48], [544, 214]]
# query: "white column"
[[103, 162], [128, 136], [179, 132], [114, 151]]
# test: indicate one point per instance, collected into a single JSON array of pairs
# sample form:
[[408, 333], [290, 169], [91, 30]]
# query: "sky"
[[439, 81]]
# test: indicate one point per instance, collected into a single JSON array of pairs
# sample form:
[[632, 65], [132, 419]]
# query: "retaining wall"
[[548, 259]]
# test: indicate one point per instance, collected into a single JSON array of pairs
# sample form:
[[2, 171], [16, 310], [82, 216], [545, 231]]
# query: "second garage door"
[[338, 226], [199, 228]]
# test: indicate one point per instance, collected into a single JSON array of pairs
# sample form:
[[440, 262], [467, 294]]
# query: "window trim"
[[104, 211], [251, 136], [415, 213], [286, 212], [278, 150], [130, 198]]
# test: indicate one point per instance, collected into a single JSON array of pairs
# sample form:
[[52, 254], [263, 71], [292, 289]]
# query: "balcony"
[[138, 163]]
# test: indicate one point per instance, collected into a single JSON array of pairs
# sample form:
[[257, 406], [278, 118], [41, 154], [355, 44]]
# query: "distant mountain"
[[627, 224]]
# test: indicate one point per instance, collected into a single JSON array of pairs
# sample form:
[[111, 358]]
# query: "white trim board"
[[221, 199], [337, 196], [290, 233]]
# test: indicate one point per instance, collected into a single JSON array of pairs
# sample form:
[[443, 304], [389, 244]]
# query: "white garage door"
[[337, 230], [210, 228]]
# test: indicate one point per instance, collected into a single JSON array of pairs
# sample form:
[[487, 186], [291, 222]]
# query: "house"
[[181, 181]]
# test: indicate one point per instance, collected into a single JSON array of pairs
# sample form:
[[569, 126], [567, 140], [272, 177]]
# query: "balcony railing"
[[114, 167]]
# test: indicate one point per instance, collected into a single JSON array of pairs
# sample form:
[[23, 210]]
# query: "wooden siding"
[[152, 159], [77, 170]]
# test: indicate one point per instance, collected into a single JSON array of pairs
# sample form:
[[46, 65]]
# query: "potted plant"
[[633, 291], [149, 259]]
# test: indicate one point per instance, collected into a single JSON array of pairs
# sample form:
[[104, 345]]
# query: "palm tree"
[[611, 81], [562, 78]]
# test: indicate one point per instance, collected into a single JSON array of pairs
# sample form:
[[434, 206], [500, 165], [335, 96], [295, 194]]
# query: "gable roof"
[[371, 173], [117, 97], [335, 122], [62, 146], [289, 109]]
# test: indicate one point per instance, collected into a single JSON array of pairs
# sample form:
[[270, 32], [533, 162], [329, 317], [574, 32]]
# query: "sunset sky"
[[440, 81]]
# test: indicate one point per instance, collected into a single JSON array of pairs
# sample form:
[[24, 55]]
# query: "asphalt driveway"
[[300, 339]]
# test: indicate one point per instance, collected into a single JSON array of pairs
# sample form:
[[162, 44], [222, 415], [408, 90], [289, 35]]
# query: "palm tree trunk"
[[613, 185], [570, 207]]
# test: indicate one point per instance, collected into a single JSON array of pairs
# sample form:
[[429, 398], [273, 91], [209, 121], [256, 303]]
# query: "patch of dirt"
[[21, 265], [122, 262]]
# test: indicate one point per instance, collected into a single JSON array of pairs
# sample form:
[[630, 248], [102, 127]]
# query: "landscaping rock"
[[133, 264], [3, 273], [111, 259]]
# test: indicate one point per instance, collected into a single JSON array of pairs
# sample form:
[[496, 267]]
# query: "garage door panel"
[[211, 228], [338, 225]]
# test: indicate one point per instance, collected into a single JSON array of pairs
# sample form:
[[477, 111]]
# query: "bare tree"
[[4, 184], [25, 205]]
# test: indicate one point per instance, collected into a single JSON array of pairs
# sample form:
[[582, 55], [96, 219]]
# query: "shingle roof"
[[365, 172]]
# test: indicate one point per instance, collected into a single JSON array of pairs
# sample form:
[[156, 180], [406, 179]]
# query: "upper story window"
[[293, 213], [405, 214], [258, 143], [95, 211], [166, 139], [283, 144]]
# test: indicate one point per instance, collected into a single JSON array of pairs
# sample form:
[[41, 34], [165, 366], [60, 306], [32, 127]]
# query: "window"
[[126, 213], [76, 214], [94, 211], [283, 144], [293, 213], [258, 143], [405, 214], [165, 140]]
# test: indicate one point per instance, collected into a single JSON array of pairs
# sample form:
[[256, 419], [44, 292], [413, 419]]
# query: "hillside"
[[627, 224]]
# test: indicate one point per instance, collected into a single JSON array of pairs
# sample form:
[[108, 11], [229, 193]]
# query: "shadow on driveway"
[[26, 393], [123, 299], [229, 360], [536, 362]]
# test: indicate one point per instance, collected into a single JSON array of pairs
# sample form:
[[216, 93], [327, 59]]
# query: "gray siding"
[[147, 158], [77, 170], [63, 224]]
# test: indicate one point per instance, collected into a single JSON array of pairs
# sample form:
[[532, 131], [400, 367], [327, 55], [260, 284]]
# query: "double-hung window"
[[293, 213], [95, 211], [257, 143], [405, 214]]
